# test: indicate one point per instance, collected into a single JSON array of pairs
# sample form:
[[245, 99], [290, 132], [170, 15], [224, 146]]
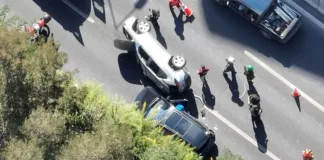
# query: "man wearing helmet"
[[229, 66], [308, 155], [249, 73]]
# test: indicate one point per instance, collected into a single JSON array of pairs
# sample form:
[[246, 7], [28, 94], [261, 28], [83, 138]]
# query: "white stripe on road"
[[244, 135], [236, 129], [78, 11], [303, 94]]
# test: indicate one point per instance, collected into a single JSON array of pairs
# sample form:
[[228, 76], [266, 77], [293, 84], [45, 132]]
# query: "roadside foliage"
[[45, 115]]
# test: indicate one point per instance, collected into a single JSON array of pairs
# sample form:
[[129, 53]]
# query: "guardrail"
[[317, 4]]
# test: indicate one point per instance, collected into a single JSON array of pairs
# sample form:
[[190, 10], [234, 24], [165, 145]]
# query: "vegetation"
[[44, 115]]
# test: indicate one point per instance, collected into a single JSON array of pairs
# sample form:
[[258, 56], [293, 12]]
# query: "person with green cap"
[[249, 72]]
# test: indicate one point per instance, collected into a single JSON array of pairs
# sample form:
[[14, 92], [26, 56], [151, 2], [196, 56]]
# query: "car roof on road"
[[258, 6]]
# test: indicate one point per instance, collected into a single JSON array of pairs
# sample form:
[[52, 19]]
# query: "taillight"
[[177, 83]]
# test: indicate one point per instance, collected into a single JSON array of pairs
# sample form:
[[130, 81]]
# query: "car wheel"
[[178, 62], [127, 35], [219, 2], [143, 26], [265, 34]]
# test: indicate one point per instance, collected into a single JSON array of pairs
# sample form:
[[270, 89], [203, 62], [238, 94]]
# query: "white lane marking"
[[308, 15], [303, 94], [244, 135], [78, 11], [236, 129]]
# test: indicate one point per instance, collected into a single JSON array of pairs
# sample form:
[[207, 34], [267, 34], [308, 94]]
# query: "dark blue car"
[[174, 121]]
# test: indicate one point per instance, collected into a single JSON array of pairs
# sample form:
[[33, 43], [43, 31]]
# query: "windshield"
[[159, 110]]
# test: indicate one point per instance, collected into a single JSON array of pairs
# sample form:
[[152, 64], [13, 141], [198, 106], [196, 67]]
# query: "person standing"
[[202, 72], [249, 73], [229, 66]]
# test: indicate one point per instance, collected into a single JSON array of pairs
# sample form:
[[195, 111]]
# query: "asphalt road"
[[215, 33]]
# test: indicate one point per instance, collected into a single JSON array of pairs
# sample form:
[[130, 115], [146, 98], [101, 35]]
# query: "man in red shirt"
[[174, 3], [308, 155], [202, 73]]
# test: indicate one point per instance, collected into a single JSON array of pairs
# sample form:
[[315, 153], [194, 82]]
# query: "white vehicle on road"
[[166, 71]]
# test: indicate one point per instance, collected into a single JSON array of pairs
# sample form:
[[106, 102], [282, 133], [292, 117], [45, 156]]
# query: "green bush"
[[26, 150], [228, 155]]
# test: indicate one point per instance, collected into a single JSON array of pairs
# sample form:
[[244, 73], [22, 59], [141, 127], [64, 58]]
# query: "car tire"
[[178, 62], [219, 2], [143, 27], [127, 35], [265, 34]]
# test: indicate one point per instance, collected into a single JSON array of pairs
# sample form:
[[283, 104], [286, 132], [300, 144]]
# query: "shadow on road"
[[302, 50], [260, 134], [233, 86], [297, 100], [159, 35], [179, 24], [252, 90], [192, 105], [69, 19], [129, 69], [99, 9], [138, 5], [207, 96]]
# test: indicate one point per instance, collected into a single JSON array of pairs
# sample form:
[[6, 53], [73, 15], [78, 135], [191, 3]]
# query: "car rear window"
[[178, 123], [190, 132]]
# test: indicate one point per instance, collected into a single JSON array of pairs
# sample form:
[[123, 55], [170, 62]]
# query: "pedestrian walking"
[[154, 16], [249, 73], [229, 66], [202, 73]]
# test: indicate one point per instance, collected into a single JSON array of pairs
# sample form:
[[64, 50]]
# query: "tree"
[[228, 155], [48, 128], [44, 115], [27, 150]]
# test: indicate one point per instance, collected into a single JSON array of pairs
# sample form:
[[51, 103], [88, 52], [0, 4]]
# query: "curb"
[[317, 4]]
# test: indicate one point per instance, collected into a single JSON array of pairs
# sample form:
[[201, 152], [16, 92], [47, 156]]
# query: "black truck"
[[274, 18]]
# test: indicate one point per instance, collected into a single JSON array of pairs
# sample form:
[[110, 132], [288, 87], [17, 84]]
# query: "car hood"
[[147, 95]]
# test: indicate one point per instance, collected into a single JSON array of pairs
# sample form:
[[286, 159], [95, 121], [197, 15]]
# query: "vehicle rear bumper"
[[207, 149], [292, 31]]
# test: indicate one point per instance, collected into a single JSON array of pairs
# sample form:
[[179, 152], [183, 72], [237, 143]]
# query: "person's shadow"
[[179, 24], [252, 90], [260, 134], [233, 86], [207, 96], [159, 35]]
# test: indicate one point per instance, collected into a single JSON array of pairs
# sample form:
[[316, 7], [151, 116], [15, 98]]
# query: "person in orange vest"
[[308, 155]]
